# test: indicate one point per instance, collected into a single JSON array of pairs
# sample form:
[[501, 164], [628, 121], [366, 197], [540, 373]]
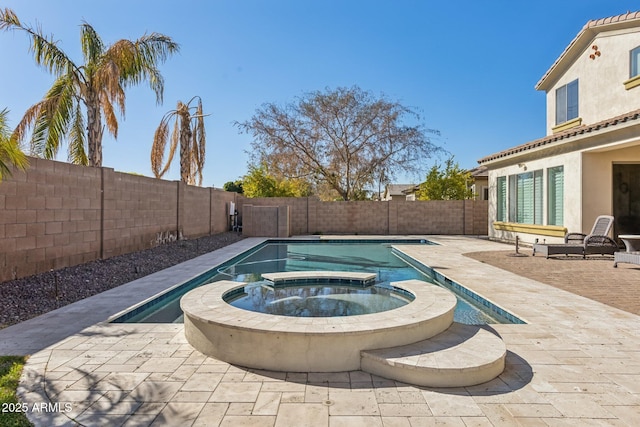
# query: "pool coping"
[[495, 311], [576, 360], [309, 344]]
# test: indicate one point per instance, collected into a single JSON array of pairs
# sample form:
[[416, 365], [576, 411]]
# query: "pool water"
[[371, 257], [317, 299]]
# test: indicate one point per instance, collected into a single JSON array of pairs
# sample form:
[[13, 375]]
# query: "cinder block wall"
[[56, 215], [311, 216], [298, 210], [220, 200], [196, 210], [136, 209], [50, 217]]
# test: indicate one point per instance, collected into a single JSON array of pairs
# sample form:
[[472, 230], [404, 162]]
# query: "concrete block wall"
[[195, 217], [361, 217], [431, 217], [136, 209], [50, 217], [298, 210], [480, 217], [219, 209], [265, 221], [56, 215], [311, 216]]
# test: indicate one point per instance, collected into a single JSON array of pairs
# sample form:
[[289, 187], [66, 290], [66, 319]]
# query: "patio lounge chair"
[[595, 243]]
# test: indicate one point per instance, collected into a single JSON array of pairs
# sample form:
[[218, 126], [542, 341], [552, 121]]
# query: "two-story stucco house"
[[588, 164]]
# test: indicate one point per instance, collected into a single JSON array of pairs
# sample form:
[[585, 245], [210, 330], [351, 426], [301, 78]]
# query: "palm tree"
[[95, 88], [188, 128], [10, 153]]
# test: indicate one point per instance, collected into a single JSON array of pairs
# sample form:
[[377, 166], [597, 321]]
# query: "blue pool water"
[[362, 256], [317, 299]]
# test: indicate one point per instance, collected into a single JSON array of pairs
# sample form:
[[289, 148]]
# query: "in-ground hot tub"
[[309, 344], [321, 296]]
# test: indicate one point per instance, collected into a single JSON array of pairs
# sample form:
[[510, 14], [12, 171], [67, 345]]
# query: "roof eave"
[[584, 38], [569, 136], [570, 54]]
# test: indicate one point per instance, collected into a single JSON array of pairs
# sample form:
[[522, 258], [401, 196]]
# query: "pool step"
[[463, 355]]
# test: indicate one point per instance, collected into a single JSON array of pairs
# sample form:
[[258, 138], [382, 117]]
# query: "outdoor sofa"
[[626, 257]]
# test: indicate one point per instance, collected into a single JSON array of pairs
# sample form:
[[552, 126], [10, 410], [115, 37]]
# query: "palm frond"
[[109, 115], [77, 138], [10, 152], [45, 49], [199, 141], [4, 126], [137, 61], [27, 121], [159, 146], [106, 82], [8, 19], [38, 142], [92, 46], [51, 118]]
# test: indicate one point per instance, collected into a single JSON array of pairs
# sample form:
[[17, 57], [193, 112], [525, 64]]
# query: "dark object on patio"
[[628, 257], [595, 243]]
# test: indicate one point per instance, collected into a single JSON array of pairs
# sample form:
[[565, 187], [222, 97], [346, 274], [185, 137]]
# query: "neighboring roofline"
[[582, 41], [547, 140], [479, 171], [411, 190]]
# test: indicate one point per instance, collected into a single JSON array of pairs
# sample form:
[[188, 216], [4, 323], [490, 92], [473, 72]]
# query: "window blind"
[[501, 199], [556, 195]]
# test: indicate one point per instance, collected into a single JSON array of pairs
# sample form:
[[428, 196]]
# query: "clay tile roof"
[[590, 27], [550, 139]]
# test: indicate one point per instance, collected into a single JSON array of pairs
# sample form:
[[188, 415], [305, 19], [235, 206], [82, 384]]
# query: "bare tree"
[[188, 129], [342, 138]]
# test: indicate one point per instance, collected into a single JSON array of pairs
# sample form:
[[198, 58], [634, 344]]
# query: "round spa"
[[309, 344]]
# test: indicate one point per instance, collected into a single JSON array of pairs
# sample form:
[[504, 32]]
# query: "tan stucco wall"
[[572, 194], [598, 179], [587, 188], [602, 94]]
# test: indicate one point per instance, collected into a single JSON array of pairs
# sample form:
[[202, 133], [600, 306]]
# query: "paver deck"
[[576, 362]]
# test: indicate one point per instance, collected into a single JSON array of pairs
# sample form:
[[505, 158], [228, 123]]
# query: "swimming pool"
[[318, 255]]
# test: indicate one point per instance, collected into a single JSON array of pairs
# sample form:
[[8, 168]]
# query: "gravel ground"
[[32, 296]]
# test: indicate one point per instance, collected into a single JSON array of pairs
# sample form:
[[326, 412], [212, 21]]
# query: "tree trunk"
[[185, 149], [94, 131]]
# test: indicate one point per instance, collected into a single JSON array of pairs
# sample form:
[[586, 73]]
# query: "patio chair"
[[595, 243]]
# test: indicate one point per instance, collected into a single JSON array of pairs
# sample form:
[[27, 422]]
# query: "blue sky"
[[469, 67]]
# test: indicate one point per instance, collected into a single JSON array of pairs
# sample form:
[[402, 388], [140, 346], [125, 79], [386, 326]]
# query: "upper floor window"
[[634, 62], [567, 102]]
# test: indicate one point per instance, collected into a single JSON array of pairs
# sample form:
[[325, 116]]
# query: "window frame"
[[501, 198], [634, 62], [524, 198], [555, 213], [567, 108]]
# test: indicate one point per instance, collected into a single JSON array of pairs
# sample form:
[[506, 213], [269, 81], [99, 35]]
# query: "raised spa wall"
[[417, 343]]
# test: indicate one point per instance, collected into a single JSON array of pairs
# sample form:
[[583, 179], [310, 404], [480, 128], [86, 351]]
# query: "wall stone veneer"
[[56, 215]]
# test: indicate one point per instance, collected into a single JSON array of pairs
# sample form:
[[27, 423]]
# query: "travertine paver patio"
[[576, 362]]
